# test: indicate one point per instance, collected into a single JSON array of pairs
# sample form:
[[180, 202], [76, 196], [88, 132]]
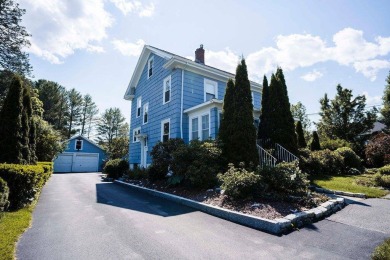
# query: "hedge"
[[4, 193], [24, 182]]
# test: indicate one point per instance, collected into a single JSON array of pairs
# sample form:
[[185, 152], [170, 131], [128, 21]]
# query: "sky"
[[94, 45]]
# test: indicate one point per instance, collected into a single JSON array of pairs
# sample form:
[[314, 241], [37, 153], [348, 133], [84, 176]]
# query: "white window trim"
[[140, 103], [200, 133], [143, 113], [151, 59], [211, 82], [82, 145], [162, 128], [134, 131], [170, 90]]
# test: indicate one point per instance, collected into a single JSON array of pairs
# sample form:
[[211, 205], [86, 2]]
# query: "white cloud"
[[304, 50], [131, 6], [129, 48], [59, 27], [224, 60], [312, 76], [371, 101]]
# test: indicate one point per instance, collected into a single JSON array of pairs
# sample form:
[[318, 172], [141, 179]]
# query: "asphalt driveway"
[[80, 217]]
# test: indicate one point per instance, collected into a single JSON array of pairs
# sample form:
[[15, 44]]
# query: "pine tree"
[[315, 142], [386, 104], [263, 132], [75, 103], [300, 135], [11, 124], [25, 130], [237, 132]]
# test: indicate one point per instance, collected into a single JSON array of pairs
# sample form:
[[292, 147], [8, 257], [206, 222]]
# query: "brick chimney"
[[199, 55]]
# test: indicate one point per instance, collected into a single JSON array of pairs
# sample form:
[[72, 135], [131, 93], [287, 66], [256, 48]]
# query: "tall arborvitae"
[[263, 132], [25, 130], [227, 121], [31, 134], [237, 132], [386, 104], [11, 146], [282, 128], [315, 142], [300, 135]]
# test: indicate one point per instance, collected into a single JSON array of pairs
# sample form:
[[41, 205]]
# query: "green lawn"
[[349, 184], [382, 252], [12, 226]]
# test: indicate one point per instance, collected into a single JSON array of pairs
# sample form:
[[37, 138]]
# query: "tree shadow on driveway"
[[115, 195]]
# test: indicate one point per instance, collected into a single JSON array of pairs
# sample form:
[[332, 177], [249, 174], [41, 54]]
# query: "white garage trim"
[[77, 162]]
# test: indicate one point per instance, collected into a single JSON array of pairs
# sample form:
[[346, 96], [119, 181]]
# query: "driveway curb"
[[276, 227]]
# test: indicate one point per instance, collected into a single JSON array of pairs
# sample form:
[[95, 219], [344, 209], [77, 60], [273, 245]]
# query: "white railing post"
[[265, 158], [285, 155]]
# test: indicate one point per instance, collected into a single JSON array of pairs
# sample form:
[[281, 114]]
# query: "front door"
[[144, 152]]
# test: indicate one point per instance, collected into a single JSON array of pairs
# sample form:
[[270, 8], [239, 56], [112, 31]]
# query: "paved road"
[[79, 217]]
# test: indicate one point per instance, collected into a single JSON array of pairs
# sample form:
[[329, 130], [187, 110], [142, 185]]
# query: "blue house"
[[175, 97], [81, 155]]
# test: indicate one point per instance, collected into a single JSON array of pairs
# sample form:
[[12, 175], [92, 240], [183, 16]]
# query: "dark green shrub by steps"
[[285, 179], [240, 184], [4, 193], [24, 182], [116, 168], [385, 170]]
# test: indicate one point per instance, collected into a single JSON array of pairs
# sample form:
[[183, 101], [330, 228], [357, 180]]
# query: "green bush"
[[197, 164], [334, 144], [285, 178], [162, 158], [240, 184], [4, 193], [382, 180], [323, 162], [24, 182], [116, 168], [137, 174], [350, 158], [385, 170], [48, 166], [382, 252], [377, 150]]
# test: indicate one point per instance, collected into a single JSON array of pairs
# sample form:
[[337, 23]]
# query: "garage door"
[[77, 162]]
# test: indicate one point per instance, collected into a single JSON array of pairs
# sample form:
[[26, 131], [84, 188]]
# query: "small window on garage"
[[78, 145]]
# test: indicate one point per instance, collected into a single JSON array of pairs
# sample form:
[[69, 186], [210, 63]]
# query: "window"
[[210, 89], [195, 129], [136, 131], [150, 67], [78, 145], [167, 90], [165, 129], [205, 127], [139, 101], [146, 111]]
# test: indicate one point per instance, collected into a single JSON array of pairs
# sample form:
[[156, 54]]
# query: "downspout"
[[181, 104]]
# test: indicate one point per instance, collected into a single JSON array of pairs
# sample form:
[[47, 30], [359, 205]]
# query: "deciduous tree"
[[386, 104]]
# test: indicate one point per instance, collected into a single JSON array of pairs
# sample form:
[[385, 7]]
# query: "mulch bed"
[[264, 208]]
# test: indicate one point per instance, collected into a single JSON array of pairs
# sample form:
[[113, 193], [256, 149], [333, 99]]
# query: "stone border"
[[276, 227], [336, 192]]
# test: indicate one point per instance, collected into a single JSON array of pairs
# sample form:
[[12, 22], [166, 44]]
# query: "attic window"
[[150, 67], [78, 144], [210, 90]]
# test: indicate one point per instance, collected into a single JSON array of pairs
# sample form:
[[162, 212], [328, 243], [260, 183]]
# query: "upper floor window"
[[167, 89], [136, 132], [146, 112], [165, 130], [139, 102], [78, 145], [150, 67], [205, 127], [210, 89]]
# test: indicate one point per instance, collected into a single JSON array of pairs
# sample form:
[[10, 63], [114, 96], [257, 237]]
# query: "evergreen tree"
[[25, 130], [238, 131], [298, 112], [315, 142], [11, 138], [300, 135], [89, 111], [263, 132], [75, 106], [282, 128], [386, 104]]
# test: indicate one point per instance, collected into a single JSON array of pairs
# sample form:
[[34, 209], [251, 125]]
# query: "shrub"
[[24, 182], [47, 166], [285, 178], [350, 158], [334, 144], [4, 193], [385, 170], [323, 162], [162, 158], [378, 150], [197, 164], [382, 180], [240, 184], [137, 174], [116, 168], [382, 252]]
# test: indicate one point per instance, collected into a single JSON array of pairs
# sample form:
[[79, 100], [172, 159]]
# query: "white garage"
[[76, 162]]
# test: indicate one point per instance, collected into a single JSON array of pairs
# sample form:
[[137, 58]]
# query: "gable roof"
[[176, 61], [86, 139]]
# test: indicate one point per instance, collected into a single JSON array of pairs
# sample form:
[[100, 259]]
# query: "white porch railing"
[[284, 155], [265, 158]]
